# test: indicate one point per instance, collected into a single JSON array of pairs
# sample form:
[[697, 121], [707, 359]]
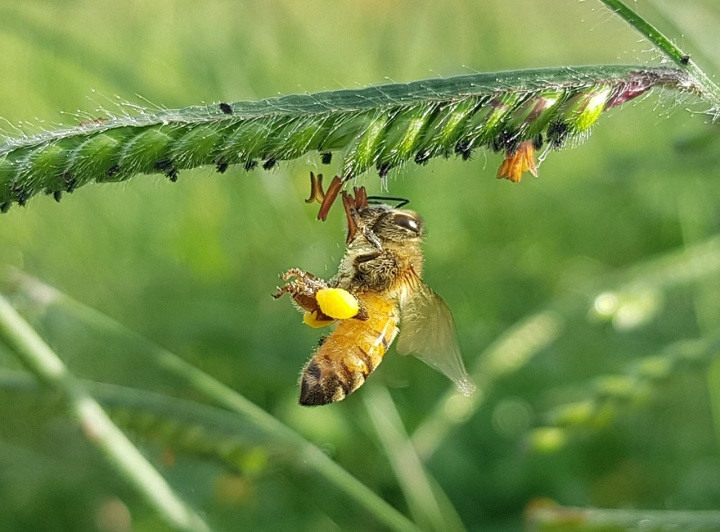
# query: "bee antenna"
[[376, 200]]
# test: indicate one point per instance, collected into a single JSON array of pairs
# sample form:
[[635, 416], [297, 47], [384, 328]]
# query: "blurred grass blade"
[[307, 454], [611, 396], [121, 454], [44, 34], [551, 517], [414, 481], [381, 127], [177, 422], [519, 343], [714, 391], [508, 353]]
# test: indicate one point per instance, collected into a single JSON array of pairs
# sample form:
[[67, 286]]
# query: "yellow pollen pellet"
[[311, 319], [337, 303]]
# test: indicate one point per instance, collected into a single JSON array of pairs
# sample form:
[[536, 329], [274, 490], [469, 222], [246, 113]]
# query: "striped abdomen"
[[350, 353]]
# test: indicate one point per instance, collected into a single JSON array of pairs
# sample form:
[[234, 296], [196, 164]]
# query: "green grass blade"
[[415, 482], [714, 391]]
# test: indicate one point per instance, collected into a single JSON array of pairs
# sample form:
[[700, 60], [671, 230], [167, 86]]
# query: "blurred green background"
[[631, 214]]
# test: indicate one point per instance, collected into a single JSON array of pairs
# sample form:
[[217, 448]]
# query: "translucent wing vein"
[[427, 331]]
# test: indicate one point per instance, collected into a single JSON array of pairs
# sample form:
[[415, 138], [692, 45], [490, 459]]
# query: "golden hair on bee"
[[379, 279]]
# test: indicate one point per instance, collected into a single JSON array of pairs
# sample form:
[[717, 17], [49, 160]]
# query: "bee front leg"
[[320, 302], [303, 290]]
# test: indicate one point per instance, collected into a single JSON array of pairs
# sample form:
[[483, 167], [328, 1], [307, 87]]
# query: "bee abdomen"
[[348, 355], [322, 386]]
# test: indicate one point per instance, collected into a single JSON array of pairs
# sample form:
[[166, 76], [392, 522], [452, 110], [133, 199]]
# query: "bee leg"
[[302, 276], [371, 237], [302, 290], [354, 222]]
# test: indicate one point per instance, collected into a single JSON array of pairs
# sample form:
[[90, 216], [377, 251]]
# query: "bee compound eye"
[[409, 223]]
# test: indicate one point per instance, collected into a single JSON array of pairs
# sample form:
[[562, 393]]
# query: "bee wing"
[[427, 330]]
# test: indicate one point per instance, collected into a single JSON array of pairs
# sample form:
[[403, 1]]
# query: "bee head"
[[393, 225]]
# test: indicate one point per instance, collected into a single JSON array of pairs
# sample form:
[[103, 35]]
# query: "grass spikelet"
[[614, 395], [379, 127]]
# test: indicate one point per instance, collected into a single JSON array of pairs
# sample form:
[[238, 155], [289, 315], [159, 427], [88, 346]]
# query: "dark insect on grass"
[[226, 108]]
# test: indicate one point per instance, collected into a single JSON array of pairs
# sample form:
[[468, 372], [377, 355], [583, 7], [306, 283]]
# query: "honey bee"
[[382, 269]]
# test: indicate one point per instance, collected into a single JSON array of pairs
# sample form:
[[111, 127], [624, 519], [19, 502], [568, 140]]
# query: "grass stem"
[[97, 427]]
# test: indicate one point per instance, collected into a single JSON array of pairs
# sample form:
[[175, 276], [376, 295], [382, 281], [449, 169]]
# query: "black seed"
[[250, 165], [538, 141], [267, 165], [5, 207], [506, 141], [21, 195], [422, 157], [463, 148], [383, 169], [70, 182], [498, 143], [163, 165], [557, 133], [226, 108], [221, 167], [57, 195], [326, 157], [166, 165]]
